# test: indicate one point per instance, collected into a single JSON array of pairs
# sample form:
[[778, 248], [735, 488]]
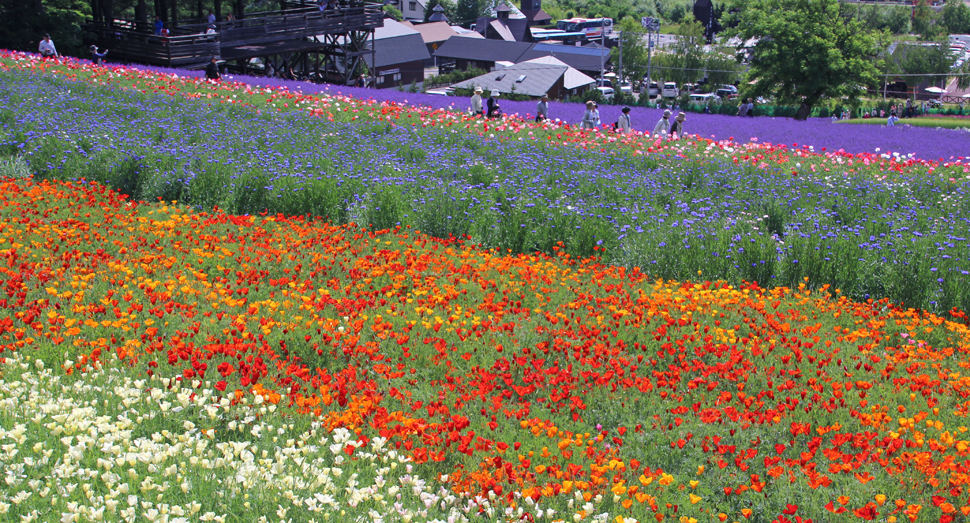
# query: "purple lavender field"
[[920, 142]]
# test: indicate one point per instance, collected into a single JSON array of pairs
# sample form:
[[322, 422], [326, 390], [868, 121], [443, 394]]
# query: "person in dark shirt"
[[96, 57], [212, 70]]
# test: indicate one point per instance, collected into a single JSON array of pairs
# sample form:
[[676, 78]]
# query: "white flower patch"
[[104, 446]]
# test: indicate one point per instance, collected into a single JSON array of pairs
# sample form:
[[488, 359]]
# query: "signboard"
[[390, 71], [650, 23]]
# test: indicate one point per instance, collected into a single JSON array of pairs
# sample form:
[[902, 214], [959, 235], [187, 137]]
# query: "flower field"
[[195, 328], [871, 227], [199, 366]]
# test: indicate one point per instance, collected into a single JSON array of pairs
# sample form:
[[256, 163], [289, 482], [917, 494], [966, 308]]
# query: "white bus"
[[591, 27]]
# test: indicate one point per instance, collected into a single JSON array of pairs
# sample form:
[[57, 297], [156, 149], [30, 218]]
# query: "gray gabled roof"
[[581, 58], [483, 50], [533, 78], [398, 50]]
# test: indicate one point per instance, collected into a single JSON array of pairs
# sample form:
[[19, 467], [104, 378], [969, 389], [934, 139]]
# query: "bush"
[[453, 77]]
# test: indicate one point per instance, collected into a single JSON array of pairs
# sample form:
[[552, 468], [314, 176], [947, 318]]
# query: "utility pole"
[[651, 25], [603, 43], [620, 75]]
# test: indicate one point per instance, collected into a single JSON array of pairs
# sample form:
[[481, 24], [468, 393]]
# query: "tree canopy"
[[806, 50]]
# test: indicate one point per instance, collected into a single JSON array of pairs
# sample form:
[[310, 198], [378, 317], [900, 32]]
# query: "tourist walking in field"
[[542, 108], [212, 70], [477, 102], [494, 111], [677, 128], [96, 57], [591, 118], [663, 125], [623, 124], [743, 108], [46, 47]]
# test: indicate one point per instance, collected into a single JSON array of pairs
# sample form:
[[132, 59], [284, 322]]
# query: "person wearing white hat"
[[477, 102], [663, 125], [492, 105]]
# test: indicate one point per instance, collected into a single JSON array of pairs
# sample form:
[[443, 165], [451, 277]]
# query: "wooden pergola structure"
[[299, 38]]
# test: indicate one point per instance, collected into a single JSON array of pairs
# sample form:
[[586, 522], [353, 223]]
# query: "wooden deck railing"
[[187, 45]]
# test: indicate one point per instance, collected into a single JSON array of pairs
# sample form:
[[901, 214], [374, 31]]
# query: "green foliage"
[[632, 39], [928, 60], [955, 17], [393, 12], [807, 50], [468, 11], [23, 24], [453, 77], [451, 9], [924, 20]]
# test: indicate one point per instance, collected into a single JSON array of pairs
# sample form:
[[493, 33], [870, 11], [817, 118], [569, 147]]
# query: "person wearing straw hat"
[[542, 108], [663, 125], [494, 111], [591, 118], [677, 128], [477, 102]]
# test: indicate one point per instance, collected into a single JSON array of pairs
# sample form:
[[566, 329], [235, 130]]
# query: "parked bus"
[[591, 27]]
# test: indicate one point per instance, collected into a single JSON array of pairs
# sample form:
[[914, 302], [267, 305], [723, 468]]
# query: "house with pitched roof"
[[399, 55], [546, 75], [435, 34]]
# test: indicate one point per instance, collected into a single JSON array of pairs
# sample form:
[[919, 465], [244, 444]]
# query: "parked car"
[[727, 91], [653, 90], [670, 90], [704, 98], [625, 87], [606, 91], [604, 82]]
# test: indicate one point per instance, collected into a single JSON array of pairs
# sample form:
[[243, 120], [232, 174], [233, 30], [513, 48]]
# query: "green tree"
[[807, 50], [468, 11], [898, 20], [451, 9], [924, 20], [933, 61], [393, 12], [23, 24], [955, 17], [633, 41]]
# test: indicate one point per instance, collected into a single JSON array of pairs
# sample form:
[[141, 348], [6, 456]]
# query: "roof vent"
[[520, 79], [500, 77]]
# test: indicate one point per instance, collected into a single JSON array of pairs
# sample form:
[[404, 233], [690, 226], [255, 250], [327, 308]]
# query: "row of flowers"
[[919, 151], [900, 238], [525, 386]]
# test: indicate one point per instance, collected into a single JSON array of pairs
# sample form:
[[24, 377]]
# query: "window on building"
[[413, 6], [379, 80], [397, 77]]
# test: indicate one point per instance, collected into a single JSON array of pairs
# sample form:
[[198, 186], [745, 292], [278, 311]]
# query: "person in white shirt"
[[477, 102], [591, 118], [47, 48], [623, 125], [663, 125]]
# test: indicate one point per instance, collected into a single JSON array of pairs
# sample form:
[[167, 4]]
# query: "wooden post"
[[201, 11], [174, 7], [218, 10]]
